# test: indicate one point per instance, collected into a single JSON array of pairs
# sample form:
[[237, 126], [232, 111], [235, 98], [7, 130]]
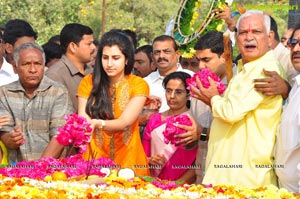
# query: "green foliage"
[[148, 18], [46, 17]]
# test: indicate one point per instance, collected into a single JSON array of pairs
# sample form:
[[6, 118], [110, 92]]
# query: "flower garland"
[[184, 32]]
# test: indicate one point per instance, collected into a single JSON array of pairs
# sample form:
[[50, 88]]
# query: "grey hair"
[[16, 54], [248, 13]]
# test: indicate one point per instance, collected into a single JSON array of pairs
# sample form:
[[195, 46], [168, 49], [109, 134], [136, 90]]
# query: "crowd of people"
[[248, 136]]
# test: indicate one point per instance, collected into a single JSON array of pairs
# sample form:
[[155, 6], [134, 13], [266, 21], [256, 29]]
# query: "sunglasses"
[[292, 42]]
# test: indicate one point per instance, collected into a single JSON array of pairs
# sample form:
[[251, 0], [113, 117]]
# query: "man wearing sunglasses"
[[287, 148]]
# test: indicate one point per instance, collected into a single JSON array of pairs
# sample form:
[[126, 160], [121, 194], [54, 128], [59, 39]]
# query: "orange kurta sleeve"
[[140, 87], [85, 86]]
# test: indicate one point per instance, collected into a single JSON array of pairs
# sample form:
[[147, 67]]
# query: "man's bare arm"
[[54, 149]]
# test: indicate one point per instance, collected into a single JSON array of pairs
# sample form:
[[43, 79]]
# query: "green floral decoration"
[[188, 27]]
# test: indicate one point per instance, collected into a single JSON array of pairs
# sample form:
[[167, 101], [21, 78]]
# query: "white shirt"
[[283, 56], [170, 25], [287, 148], [7, 74]]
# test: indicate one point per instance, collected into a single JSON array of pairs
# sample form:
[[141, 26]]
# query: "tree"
[[46, 17], [147, 18]]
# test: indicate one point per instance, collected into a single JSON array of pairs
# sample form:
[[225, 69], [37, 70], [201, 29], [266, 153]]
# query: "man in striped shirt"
[[36, 106]]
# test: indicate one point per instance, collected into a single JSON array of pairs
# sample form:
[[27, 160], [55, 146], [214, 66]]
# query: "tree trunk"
[[103, 17], [294, 13]]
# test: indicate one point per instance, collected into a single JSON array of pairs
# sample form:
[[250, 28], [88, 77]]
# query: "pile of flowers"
[[75, 132], [171, 127], [21, 188], [73, 177], [72, 166], [203, 76]]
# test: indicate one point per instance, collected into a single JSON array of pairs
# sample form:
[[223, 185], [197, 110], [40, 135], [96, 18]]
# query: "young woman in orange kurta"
[[112, 99]]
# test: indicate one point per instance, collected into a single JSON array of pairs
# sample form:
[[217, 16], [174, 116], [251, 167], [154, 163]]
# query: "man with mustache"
[[77, 42], [36, 106], [166, 55], [287, 149], [242, 135]]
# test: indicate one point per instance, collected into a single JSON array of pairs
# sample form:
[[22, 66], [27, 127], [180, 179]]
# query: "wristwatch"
[[203, 136], [102, 124]]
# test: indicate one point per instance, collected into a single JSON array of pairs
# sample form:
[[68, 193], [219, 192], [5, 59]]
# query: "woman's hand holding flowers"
[[190, 135]]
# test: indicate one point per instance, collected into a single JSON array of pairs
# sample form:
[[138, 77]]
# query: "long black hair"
[[99, 104]]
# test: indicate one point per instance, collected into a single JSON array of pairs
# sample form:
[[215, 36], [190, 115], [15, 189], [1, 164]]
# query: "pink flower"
[[172, 130], [203, 77], [73, 132]]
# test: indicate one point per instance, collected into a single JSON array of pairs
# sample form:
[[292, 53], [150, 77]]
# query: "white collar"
[[155, 76], [297, 80], [7, 67]]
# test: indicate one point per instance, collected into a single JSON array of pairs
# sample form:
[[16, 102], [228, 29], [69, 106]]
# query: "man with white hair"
[[36, 106], [242, 135]]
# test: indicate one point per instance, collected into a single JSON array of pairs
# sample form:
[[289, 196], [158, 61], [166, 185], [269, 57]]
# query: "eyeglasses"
[[293, 42]]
